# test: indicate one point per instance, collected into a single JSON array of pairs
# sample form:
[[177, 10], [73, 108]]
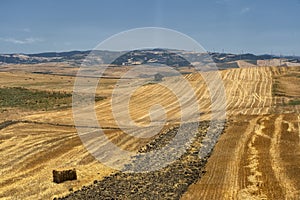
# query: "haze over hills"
[[152, 56]]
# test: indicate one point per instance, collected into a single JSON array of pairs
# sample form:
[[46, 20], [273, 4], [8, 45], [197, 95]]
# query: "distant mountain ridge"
[[75, 57], [136, 57]]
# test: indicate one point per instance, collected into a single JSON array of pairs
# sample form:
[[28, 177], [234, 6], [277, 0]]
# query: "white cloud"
[[245, 10], [22, 41]]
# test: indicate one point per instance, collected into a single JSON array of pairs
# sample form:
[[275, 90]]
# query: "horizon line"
[[86, 50]]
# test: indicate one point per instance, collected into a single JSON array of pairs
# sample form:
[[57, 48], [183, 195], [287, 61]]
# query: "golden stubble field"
[[256, 158]]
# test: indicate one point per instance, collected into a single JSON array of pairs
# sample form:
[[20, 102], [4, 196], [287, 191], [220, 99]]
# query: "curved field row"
[[33, 150], [254, 159], [31, 153], [248, 91]]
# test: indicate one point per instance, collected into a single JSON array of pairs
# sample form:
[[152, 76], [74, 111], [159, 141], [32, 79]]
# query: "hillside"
[[136, 57], [256, 98]]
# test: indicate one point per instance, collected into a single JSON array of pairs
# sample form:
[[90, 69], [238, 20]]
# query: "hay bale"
[[158, 77], [64, 175]]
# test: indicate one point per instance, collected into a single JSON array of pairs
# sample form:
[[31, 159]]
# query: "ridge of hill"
[[136, 57]]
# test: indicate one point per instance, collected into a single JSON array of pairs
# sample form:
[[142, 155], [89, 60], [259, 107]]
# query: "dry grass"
[[34, 150], [254, 159], [258, 155]]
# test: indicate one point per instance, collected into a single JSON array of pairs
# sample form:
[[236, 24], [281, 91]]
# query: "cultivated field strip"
[[33, 150], [254, 159], [248, 91]]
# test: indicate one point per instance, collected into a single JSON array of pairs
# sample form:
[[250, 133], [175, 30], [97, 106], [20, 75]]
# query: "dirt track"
[[166, 183]]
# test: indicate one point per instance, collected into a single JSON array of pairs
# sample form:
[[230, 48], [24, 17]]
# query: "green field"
[[30, 99]]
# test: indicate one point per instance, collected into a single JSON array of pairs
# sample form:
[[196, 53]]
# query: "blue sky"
[[257, 26]]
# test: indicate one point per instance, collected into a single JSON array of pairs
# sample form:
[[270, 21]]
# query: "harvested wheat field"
[[256, 157]]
